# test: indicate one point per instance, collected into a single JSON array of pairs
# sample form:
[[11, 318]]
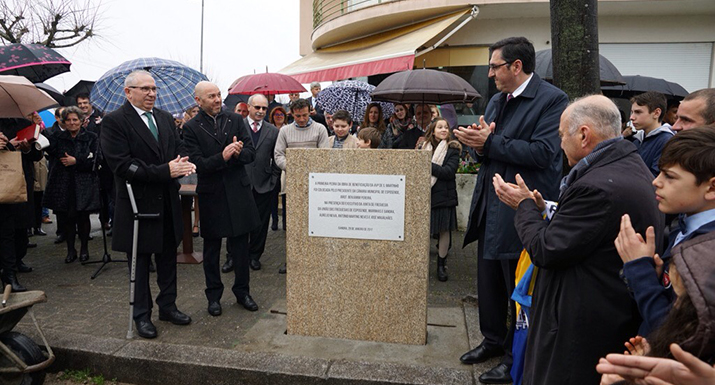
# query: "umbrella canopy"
[[426, 87], [267, 84], [175, 83], [638, 84], [609, 73], [34, 61], [19, 97], [54, 94], [82, 87], [352, 96]]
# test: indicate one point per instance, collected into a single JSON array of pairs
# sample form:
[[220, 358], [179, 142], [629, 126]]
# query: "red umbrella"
[[267, 84]]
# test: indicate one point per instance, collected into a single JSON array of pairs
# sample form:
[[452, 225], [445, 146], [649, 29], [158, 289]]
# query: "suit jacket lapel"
[[165, 134], [247, 124], [141, 129]]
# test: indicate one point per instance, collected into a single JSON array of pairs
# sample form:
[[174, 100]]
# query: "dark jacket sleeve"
[[117, 144], [537, 152], [448, 169], [653, 299], [204, 164], [565, 240], [248, 153]]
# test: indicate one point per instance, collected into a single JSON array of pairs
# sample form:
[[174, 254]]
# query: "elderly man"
[[142, 147], [302, 133], [517, 135], [581, 308], [221, 147], [696, 110]]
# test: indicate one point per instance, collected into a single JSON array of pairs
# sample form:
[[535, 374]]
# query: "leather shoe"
[[39, 231], [11, 279], [175, 316], [31, 245], [23, 268], [228, 266], [479, 355], [215, 309], [255, 264], [83, 257], [497, 375], [71, 257], [60, 238], [282, 269], [145, 328], [248, 303]]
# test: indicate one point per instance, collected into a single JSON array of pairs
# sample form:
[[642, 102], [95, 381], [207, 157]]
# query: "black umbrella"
[[57, 95], [426, 87], [82, 87], [233, 99], [639, 84], [34, 61], [609, 73]]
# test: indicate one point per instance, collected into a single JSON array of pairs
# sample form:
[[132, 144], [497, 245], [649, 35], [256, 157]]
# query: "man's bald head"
[[585, 123], [208, 97]]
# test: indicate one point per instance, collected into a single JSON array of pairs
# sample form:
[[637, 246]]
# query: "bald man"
[[220, 146], [581, 308]]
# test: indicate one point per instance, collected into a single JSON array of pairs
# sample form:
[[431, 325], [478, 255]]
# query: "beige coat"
[[350, 142], [40, 175]]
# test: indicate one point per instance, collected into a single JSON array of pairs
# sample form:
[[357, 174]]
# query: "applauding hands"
[[233, 149]]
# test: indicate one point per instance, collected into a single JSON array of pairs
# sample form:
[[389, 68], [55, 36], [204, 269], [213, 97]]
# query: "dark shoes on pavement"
[[23, 268], [255, 264], [145, 328], [11, 279], [479, 355], [175, 316], [499, 374], [442, 269], [228, 266], [60, 238], [247, 302], [71, 257], [39, 231], [214, 309], [282, 269]]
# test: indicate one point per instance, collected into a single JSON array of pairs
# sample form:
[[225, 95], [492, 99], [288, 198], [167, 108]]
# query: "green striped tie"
[[152, 126]]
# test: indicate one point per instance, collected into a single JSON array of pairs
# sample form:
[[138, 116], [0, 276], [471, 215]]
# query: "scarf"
[[437, 156], [399, 126], [585, 163]]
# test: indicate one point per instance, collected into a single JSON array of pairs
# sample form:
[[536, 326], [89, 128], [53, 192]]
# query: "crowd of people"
[[614, 252]]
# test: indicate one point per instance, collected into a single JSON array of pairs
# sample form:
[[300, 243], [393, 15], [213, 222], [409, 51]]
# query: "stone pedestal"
[[362, 289]]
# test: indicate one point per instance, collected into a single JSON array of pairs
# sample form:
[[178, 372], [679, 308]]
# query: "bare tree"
[[52, 23]]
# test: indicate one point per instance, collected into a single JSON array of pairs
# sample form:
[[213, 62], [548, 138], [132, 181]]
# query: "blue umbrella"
[[175, 83], [352, 96]]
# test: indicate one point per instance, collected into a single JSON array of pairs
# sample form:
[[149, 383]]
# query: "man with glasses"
[[221, 147], [518, 134], [142, 147]]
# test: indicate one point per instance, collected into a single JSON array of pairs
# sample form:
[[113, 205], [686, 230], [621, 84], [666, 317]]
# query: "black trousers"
[[79, 224], [38, 209], [274, 203], [257, 238], [106, 191], [7, 239], [165, 273], [495, 284], [212, 270]]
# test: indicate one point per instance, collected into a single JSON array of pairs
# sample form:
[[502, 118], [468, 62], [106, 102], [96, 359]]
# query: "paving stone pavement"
[[97, 310]]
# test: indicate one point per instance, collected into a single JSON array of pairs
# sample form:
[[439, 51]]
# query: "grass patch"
[[83, 376]]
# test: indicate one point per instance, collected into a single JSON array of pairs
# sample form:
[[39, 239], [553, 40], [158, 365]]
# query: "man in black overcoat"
[[581, 308], [518, 134], [220, 145], [142, 147]]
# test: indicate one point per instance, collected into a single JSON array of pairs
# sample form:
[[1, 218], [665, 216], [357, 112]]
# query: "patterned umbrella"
[[34, 61], [352, 96], [175, 83]]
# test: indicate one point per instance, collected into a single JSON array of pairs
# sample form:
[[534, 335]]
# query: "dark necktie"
[[152, 126]]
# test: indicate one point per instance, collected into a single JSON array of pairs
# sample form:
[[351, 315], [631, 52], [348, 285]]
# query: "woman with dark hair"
[[400, 121], [277, 117], [374, 118], [72, 187], [690, 323]]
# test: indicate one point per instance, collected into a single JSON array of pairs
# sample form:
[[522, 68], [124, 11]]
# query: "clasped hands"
[[475, 135], [181, 167], [512, 194], [233, 149]]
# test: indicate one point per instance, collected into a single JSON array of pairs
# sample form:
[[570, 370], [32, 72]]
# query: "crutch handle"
[[6, 295]]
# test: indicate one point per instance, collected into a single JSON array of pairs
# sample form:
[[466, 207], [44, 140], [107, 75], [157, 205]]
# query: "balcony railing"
[[326, 10]]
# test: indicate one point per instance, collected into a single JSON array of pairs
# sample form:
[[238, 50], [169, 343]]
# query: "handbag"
[[12, 178]]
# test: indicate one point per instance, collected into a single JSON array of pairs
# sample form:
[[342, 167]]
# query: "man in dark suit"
[[581, 309], [143, 148], [518, 134], [220, 145], [316, 112]]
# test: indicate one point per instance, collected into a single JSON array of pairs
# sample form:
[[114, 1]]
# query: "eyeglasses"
[[146, 89], [260, 107], [494, 67], [279, 114]]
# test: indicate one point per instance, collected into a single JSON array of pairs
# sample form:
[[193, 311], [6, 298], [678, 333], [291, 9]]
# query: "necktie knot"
[[255, 127], [509, 97]]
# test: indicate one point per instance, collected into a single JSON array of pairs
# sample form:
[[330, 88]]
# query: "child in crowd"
[[685, 186], [445, 160], [368, 137], [647, 114], [342, 123]]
